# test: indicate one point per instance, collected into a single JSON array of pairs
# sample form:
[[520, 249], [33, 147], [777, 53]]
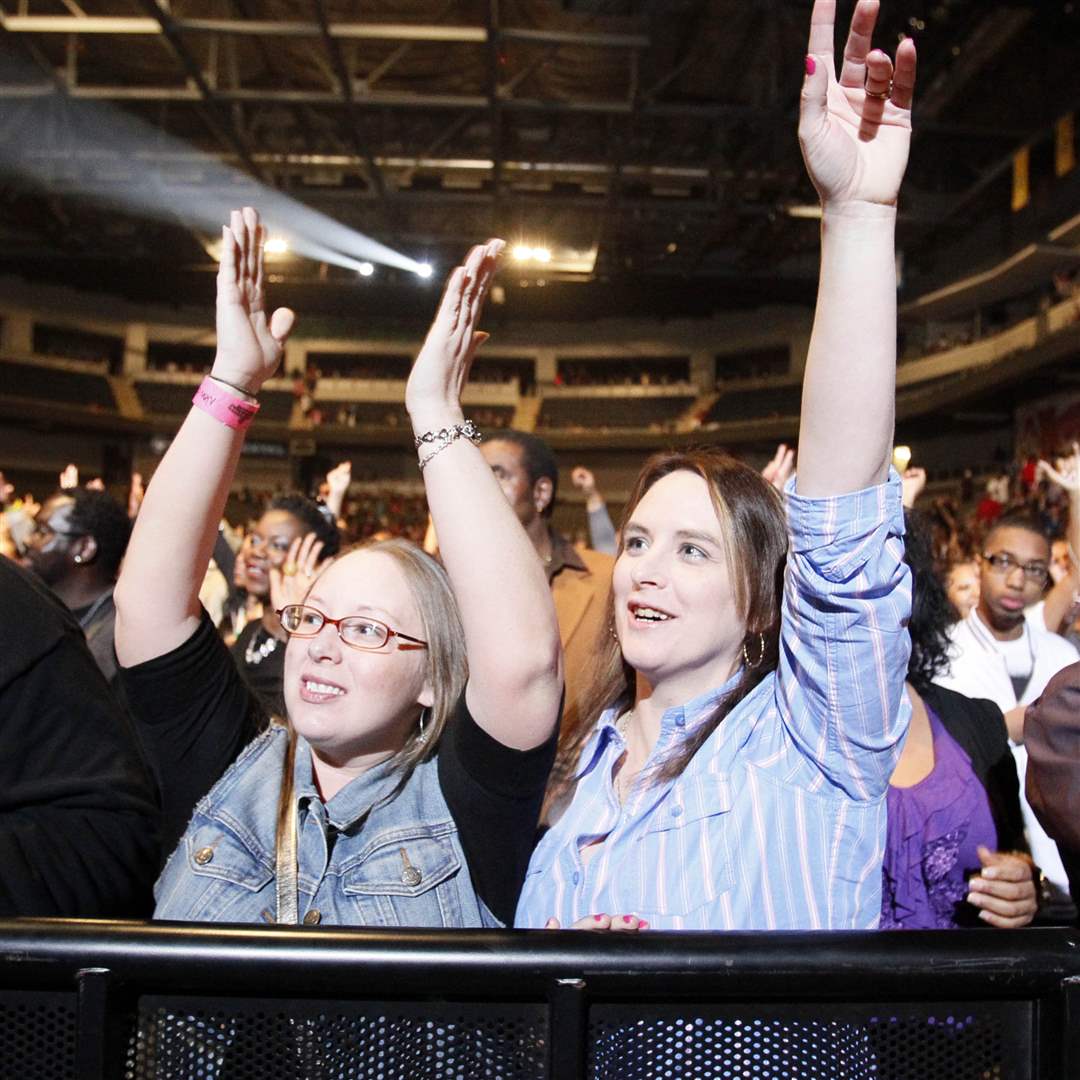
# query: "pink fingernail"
[[628, 918], [643, 925], [811, 67], [598, 918]]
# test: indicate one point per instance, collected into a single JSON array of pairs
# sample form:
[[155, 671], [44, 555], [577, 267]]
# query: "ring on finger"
[[289, 569], [879, 95]]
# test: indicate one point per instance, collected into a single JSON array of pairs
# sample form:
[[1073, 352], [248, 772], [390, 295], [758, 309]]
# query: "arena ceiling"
[[648, 144]]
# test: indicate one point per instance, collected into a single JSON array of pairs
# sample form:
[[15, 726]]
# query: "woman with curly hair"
[[955, 839]]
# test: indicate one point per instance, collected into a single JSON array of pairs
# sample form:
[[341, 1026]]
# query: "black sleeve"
[[78, 811], [495, 794], [195, 714]]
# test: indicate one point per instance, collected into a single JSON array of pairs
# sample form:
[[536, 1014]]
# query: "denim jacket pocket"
[[688, 831], [407, 877], [213, 869]]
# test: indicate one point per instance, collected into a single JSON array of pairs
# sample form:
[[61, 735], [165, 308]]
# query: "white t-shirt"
[[983, 667]]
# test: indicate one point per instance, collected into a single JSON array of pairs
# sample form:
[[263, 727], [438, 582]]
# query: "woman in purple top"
[[954, 846]]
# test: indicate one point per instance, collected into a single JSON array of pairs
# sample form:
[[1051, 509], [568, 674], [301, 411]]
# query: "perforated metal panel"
[[37, 1035], [251, 1039], [984, 1041]]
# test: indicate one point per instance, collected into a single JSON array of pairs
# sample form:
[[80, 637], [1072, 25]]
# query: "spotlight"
[[366, 269], [276, 245], [522, 253], [542, 254], [424, 270]]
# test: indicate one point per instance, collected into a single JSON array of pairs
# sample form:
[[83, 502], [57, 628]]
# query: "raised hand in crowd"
[[778, 471], [515, 670], [337, 484], [855, 132], [290, 582], [69, 478], [601, 528], [913, 482]]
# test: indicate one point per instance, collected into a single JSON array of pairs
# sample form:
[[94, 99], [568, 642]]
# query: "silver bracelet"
[[445, 436]]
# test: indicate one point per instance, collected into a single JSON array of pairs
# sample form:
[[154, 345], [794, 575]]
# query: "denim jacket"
[[372, 856]]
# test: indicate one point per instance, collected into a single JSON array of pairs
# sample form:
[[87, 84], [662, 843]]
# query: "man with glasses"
[[79, 538], [1004, 652]]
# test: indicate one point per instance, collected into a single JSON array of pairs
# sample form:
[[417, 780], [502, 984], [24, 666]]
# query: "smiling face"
[[1003, 596], [676, 612], [354, 705], [266, 546]]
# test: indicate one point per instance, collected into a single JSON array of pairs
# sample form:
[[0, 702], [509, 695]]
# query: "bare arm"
[[855, 145], [512, 637], [157, 593]]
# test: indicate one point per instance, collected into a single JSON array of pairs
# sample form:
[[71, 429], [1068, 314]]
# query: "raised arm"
[[854, 131], [1061, 599], [157, 594], [512, 637]]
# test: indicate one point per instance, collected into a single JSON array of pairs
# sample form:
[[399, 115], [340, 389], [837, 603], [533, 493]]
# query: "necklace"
[[256, 654], [621, 783]]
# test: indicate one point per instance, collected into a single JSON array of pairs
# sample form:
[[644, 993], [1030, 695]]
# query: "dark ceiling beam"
[[337, 62], [495, 117], [218, 118]]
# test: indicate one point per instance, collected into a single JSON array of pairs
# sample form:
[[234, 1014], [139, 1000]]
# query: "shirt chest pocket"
[[211, 873], [687, 846], [406, 880]]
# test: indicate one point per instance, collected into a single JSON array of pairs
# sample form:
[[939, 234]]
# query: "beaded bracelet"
[[445, 436]]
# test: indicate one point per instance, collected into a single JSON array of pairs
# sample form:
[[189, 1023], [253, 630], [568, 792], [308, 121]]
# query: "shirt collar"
[[356, 799], [563, 556], [676, 722]]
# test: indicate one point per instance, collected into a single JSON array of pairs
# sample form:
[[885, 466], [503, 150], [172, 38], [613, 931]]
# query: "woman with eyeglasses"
[[404, 785]]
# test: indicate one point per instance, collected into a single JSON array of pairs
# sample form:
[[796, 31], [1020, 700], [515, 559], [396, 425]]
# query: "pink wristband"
[[231, 410]]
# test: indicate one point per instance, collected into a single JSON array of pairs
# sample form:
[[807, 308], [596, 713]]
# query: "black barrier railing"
[[142, 1001]]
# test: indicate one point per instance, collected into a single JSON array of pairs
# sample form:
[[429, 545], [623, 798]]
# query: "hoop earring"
[[761, 652], [425, 716]]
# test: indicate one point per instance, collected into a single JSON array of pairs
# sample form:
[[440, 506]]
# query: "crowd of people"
[[762, 700]]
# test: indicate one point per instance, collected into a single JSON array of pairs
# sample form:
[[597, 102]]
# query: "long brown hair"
[[448, 668], [753, 529]]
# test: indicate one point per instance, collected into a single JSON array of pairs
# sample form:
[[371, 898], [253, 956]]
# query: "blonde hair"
[[447, 669]]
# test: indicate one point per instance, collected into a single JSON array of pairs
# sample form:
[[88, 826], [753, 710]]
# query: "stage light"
[[522, 253], [424, 270], [542, 254], [365, 269], [276, 245]]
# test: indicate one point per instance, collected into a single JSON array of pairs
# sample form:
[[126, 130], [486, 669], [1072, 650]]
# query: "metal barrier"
[[159, 1001]]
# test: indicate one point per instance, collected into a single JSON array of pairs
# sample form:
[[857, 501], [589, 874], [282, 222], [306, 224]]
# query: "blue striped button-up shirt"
[[778, 821]]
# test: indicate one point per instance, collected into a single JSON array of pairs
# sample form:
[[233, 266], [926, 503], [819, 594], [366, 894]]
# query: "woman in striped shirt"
[[748, 705]]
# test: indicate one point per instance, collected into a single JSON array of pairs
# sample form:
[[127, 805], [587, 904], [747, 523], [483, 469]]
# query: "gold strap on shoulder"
[[286, 871]]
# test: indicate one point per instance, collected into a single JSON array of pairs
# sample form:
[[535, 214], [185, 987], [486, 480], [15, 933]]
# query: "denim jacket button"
[[313, 917], [411, 876], [204, 855]]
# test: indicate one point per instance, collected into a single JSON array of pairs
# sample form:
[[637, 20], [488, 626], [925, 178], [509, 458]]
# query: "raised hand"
[[290, 583], [779, 470], [437, 379], [583, 480], [1067, 473], [69, 478], [913, 481], [249, 346], [855, 131]]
